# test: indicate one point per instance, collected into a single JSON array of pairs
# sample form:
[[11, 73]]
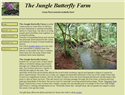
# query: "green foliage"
[[60, 40], [73, 40], [106, 40], [92, 41], [57, 36], [69, 50], [111, 49], [81, 67], [59, 49], [3, 9], [83, 36], [17, 5], [107, 52], [101, 43], [112, 42], [80, 40], [101, 51], [112, 54], [76, 60]]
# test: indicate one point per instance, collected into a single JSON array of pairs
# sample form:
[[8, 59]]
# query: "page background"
[[10, 82]]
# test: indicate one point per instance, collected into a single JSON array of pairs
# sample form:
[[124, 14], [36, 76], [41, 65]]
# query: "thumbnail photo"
[[86, 46], [10, 8]]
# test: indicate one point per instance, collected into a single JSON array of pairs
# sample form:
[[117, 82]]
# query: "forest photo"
[[85, 46]]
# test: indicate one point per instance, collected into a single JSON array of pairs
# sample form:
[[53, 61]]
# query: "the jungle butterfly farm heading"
[[57, 5]]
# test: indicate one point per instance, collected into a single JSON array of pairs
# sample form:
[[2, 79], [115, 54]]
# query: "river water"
[[91, 60]]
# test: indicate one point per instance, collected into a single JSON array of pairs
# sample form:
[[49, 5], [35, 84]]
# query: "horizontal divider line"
[[56, 18]]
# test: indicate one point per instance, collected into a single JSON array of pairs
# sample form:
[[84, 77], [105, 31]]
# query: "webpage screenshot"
[[62, 47]]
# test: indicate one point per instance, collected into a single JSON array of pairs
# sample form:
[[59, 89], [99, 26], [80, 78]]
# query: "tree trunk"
[[80, 35], [94, 30], [86, 35], [76, 33], [64, 36], [99, 32], [69, 32], [65, 41]]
